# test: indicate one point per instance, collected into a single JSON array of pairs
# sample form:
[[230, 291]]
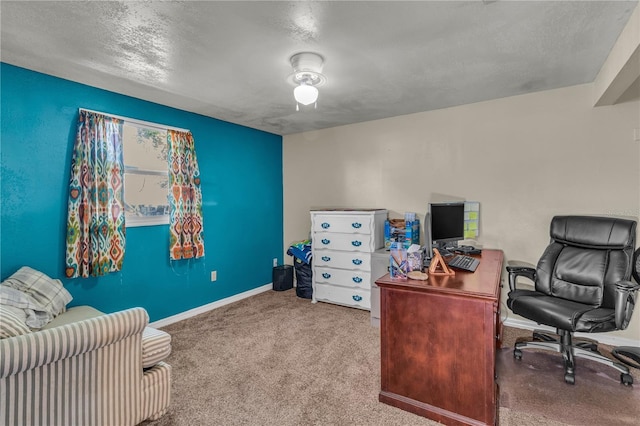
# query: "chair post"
[[566, 348]]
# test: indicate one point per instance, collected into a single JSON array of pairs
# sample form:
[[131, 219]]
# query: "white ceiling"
[[230, 60]]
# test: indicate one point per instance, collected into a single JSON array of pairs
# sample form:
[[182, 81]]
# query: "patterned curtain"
[[185, 198], [95, 224]]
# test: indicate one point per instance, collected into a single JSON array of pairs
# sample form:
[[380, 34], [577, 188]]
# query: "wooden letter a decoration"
[[438, 266]]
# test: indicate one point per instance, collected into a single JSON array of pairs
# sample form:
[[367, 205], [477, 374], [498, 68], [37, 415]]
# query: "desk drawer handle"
[[357, 280], [325, 241], [326, 275], [356, 225], [326, 258], [357, 262], [356, 297], [325, 225], [356, 243]]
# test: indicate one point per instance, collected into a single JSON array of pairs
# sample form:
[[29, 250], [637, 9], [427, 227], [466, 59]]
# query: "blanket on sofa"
[[39, 297]]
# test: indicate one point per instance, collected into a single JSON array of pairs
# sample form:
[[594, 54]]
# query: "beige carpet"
[[275, 359]]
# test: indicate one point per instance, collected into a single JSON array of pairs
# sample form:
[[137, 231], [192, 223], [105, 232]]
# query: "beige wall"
[[524, 158]]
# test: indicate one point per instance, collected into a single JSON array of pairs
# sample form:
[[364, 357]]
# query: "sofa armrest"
[[29, 351]]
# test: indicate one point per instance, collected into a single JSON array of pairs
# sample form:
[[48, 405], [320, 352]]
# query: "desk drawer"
[[342, 260], [354, 297], [347, 224]]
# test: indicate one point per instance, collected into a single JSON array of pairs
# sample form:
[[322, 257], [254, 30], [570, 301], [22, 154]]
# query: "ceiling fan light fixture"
[[307, 76]]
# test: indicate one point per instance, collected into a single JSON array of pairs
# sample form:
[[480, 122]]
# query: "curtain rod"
[[136, 121]]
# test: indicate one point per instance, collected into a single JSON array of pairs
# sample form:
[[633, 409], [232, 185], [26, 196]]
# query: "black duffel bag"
[[304, 287]]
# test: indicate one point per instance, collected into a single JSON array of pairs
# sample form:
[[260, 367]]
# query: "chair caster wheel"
[[570, 379], [626, 379], [517, 354]]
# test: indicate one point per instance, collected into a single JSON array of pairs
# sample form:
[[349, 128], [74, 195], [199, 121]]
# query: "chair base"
[[562, 343], [627, 355]]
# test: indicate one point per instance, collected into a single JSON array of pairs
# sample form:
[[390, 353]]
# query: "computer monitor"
[[446, 224]]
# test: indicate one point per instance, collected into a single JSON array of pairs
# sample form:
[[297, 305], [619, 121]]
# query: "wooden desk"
[[438, 344]]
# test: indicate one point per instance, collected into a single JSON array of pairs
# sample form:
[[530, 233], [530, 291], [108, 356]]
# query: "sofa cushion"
[[12, 322], [156, 346], [75, 314]]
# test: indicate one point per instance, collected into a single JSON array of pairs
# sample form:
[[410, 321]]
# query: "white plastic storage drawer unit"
[[342, 241]]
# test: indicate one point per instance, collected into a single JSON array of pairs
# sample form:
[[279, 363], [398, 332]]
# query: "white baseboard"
[[604, 338], [210, 306]]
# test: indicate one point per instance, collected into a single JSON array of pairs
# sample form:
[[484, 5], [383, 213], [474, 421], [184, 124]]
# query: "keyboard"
[[465, 263]]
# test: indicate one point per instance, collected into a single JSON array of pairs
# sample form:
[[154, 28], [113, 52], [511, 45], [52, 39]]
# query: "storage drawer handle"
[[326, 275], [357, 280], [356, 243], [356, 225], [326, 258], [357, 262], [356, 297], [325, 225], [325, 241]]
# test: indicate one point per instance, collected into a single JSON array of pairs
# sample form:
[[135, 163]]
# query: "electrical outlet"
[[214, 275], [636, 135], [275, 262]]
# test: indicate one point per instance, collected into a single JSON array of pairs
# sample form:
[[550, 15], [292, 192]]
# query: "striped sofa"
[[91, 371]]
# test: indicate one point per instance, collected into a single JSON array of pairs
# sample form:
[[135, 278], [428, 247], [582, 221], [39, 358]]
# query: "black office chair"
[[582, 283]]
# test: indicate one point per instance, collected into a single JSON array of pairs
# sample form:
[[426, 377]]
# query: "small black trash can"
[[282, 277]]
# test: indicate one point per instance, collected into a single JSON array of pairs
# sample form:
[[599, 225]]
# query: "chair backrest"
[[586, 257]]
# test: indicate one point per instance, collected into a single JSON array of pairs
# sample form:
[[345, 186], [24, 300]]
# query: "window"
[[146, 175], [120, 172]]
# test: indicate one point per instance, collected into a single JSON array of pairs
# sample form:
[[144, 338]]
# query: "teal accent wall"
[[241, 171]]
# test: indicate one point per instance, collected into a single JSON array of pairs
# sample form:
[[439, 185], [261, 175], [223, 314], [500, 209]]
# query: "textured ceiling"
[[230, 60]]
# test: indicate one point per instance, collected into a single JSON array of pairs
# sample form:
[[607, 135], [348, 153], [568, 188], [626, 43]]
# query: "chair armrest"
[[625, 302], [520, 264], [520, 271]]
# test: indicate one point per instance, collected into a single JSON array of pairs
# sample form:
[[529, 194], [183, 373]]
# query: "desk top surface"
[[484, 282]]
